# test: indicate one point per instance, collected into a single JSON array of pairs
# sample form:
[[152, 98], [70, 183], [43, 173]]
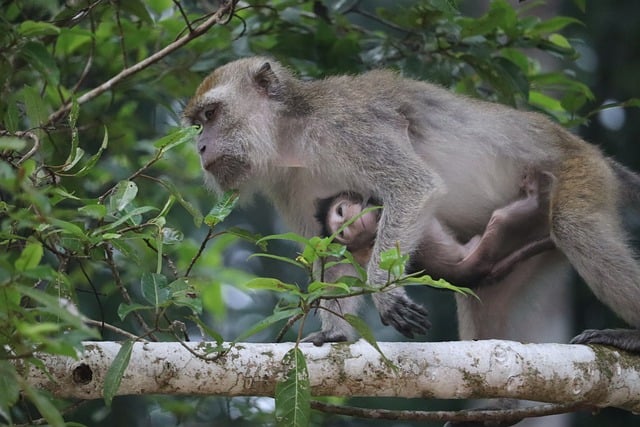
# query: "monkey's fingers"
[[406, 317], [624, 339], [321, 337]]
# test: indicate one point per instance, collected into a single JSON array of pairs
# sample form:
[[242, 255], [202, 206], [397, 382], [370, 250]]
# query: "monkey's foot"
[[321, 337], [624, 339], [404, 315]]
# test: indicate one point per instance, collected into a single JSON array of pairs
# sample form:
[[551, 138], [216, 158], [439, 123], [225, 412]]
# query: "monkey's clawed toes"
[[624, 339], [406, 317], [321, 337]]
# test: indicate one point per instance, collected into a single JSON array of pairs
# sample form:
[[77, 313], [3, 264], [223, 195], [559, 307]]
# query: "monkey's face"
[[361, 233], [238, 119]]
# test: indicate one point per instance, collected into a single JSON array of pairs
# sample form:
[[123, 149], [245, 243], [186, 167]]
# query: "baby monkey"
[[514, 233]]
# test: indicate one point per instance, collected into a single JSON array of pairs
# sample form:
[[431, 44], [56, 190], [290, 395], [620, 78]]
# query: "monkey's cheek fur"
[[229, 172]]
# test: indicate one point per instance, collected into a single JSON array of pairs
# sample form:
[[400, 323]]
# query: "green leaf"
[[249, 236], [36, 29], [269, 284], [363, 330], [293, 392], [179, 195], [36, 111], [123, 194], [129, 216], [137, 8], [280, 258], [155, 288], [554, 24], [268, 321], [30, 256], [96, 211], [12, 143], [8, 385], [94, 159], [292, 237], [393, 261], [438, 284], [114, 375], [560, 40], [183, 294], [44, 403], [125, 309], [177, 137], [222, 208]]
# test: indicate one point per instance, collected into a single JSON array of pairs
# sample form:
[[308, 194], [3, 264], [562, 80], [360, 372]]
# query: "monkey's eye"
[[339, 210], [209, 113]]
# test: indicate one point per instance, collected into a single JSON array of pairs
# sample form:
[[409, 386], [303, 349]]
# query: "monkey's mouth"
[[228, 171]]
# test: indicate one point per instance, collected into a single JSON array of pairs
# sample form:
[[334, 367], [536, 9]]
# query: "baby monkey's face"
[[359, 234]]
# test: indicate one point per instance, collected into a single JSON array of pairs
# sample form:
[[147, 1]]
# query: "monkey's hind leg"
[[587, 227]]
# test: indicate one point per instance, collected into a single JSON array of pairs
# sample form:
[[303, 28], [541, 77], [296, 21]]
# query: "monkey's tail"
[[629, 184]]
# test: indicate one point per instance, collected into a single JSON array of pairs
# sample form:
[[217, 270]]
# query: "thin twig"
[[103, 325], [224, 9], [466, 415]]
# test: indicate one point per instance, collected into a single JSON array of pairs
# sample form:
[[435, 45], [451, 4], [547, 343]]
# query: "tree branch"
[[201, 29], [554, 373]]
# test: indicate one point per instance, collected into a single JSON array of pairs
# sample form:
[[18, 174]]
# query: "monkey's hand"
[[624, 339], [321, 337], [396, 309]]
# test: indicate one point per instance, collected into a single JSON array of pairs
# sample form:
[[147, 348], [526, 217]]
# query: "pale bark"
[[542, 372]]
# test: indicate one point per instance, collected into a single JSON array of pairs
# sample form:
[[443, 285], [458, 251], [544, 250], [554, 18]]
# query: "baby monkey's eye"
[[339, 210]]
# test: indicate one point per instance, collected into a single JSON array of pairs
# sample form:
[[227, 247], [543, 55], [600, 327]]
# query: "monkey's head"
[[333, 212], [237, 107]]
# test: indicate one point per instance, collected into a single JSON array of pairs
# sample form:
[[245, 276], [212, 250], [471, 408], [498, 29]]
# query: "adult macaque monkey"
[[514, 233], [422, 152]]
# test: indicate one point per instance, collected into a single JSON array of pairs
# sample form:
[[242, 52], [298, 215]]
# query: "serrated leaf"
[[114, 375], [30, 256], [268, 321], [155, 288], [293, 392], [222, 208]]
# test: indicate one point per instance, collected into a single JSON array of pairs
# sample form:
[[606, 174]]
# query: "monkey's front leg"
[[400, 226]]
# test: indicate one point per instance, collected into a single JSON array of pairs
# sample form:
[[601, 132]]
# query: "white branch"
[[554, 373]]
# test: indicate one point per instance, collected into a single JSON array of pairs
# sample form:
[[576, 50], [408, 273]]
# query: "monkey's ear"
[[266, 80]]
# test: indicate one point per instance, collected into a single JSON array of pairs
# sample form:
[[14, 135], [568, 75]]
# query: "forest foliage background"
[[103, 215]]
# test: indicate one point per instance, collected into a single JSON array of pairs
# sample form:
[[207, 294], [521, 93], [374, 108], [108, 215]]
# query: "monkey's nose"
[[202, 147]]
